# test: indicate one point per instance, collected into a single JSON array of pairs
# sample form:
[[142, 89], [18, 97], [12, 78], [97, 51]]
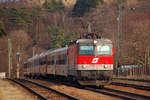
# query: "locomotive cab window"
[[104, 50], [25, 65], [86, 50]]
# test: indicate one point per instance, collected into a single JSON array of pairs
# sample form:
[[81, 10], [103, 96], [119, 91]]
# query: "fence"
[[138, 72]]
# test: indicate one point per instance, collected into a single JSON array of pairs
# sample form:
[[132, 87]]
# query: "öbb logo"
[[95, 60]]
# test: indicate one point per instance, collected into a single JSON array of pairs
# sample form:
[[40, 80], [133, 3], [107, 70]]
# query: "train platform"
[[11, 91]]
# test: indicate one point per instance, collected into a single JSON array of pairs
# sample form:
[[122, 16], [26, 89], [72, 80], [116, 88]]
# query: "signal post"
[[18, 64]]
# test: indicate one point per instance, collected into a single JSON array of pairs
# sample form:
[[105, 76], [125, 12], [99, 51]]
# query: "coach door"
[[72, 59]]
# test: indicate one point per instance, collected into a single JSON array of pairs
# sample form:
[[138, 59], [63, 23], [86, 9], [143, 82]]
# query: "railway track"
[[147, 88], [115, 93], [112, 92], [120, 94], [43, 92], [138, 80]]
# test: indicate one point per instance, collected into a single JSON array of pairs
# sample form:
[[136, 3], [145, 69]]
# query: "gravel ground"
[[80, 93], [11, 91]]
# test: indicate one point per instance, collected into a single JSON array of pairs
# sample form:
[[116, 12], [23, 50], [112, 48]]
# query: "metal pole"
[[33, 51], [34, 34], [120, 31], [119, 37], [89, 28], [18, 68], [9, 57], [18, 64]]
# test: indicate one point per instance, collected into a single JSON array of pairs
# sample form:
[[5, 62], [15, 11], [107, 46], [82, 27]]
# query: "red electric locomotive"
[[87, 61], [91, 61]]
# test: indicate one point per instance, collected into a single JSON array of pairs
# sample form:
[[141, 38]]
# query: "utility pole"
[[9, 57], [89, 28], [120, 31], [34, 36], [119, 36]]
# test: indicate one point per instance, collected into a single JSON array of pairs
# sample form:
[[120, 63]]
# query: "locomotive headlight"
[[105, 66], [95, 41], [84, 66]]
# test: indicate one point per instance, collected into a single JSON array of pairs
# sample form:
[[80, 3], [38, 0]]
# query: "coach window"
[[29, 64], [64, 59], [52, 60], [25, 65], [33, 63], [57, 60], [44, 61], [40, 61], [36, 62], [48, 60], [60, 59]]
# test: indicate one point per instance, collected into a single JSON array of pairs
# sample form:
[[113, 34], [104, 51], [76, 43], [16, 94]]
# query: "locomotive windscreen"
[[104, 49], [95, 50], [86, 50]]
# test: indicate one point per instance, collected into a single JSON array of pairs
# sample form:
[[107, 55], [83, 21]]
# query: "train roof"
[[32, 58], [46, 53], [52, 51], [58, 50], [102, 40]]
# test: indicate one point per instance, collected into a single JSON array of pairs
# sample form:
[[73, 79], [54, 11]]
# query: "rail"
[[147, 88], [140, 80], [121, 94], [18, 81]]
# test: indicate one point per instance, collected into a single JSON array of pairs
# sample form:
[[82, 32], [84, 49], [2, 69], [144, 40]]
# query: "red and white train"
[[87, 61]]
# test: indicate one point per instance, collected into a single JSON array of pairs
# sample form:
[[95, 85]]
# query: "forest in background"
[[53, 24]]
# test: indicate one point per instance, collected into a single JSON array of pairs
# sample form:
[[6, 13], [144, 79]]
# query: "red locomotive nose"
[[94, 60]]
